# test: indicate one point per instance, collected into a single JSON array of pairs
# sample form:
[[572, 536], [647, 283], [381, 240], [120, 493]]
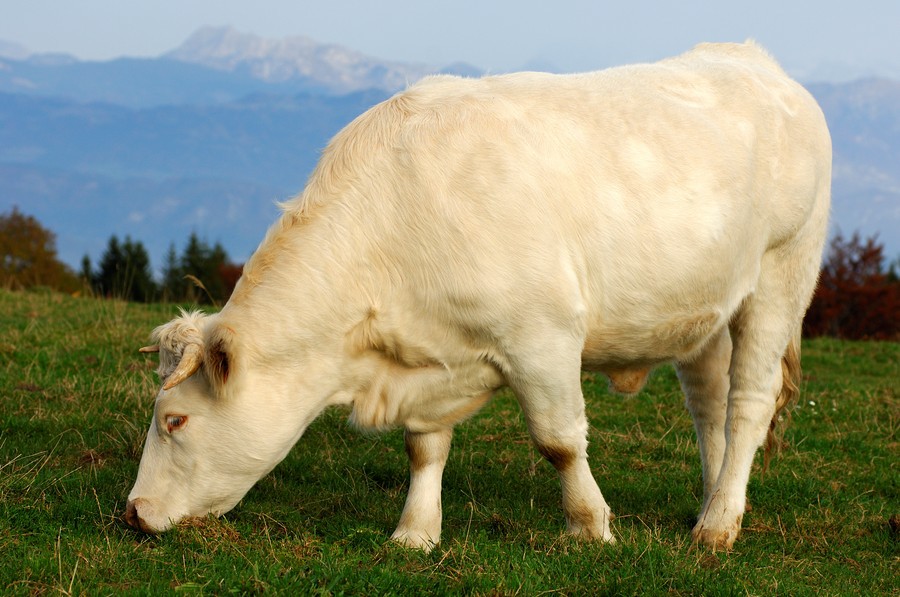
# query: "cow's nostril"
[[133, 518]]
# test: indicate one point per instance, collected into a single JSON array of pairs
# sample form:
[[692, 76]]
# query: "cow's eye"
[[174, 422]]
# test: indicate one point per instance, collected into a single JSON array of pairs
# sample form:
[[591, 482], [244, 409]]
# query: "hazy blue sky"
[[811, 38]]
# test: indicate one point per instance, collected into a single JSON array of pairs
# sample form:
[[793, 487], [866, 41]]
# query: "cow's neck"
[[305, 279]]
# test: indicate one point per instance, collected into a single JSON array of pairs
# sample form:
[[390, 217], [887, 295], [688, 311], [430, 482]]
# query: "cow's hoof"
[[586, 535], [415, 539], [592, 532], [717, 539]]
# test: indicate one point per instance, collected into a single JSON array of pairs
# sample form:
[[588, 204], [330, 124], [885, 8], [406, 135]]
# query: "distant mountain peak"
[[332, 66], [13, 51], [227, 47]]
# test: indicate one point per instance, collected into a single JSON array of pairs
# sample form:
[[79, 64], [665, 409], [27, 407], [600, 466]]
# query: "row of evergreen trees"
[[200, 274]]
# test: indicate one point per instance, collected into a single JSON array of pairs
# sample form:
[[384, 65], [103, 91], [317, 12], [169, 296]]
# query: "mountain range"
[[209, 136], [213, 66]]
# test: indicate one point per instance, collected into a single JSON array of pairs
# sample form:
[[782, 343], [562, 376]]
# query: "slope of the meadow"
[[76, 398]]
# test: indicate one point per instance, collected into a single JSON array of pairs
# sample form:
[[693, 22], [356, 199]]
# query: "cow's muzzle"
[[133, 517]]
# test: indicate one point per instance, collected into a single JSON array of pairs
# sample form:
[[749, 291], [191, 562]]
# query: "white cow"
[[469, 234]]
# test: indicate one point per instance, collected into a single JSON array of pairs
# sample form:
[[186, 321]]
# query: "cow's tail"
[[790, 391]]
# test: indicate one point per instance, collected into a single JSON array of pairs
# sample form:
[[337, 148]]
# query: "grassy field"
[[76, 397]]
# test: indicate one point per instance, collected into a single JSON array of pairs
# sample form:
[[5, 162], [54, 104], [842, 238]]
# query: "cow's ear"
[[218, 363]]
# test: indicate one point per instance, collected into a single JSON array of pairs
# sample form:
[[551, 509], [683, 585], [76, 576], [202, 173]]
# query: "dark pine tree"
[[203, 265], [124, 271], [138, 273], [173, 284]]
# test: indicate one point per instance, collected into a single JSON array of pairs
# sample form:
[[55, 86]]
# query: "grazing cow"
[[469, 234]]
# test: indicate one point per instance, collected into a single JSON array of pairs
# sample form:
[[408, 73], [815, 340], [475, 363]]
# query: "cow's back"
[[634, 203]]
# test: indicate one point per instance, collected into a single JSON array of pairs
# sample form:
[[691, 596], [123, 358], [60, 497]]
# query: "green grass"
[[76, 397]]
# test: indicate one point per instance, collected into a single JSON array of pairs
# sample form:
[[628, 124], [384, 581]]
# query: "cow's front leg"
[[548, 385], [587, 514], [420, 523]]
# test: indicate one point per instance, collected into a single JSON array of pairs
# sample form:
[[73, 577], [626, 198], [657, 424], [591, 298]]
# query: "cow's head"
[[218, 426]]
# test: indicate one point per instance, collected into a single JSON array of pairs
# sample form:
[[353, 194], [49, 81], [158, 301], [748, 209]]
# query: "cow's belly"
[[622, 346], [668, 305], [668, 318]]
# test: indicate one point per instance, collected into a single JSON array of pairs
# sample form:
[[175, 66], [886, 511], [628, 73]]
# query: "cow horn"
[[187, 366], [154, 348]]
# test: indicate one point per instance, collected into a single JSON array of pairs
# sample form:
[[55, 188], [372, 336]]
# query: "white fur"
[[473, 233]]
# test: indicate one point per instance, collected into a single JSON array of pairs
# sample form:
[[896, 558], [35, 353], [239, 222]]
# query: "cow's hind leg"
[[420, 522], [548, 387], [764, 331], [704, 380]]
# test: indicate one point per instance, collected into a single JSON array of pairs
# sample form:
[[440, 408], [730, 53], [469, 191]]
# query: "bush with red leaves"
[[230, 274], [855, 298]]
